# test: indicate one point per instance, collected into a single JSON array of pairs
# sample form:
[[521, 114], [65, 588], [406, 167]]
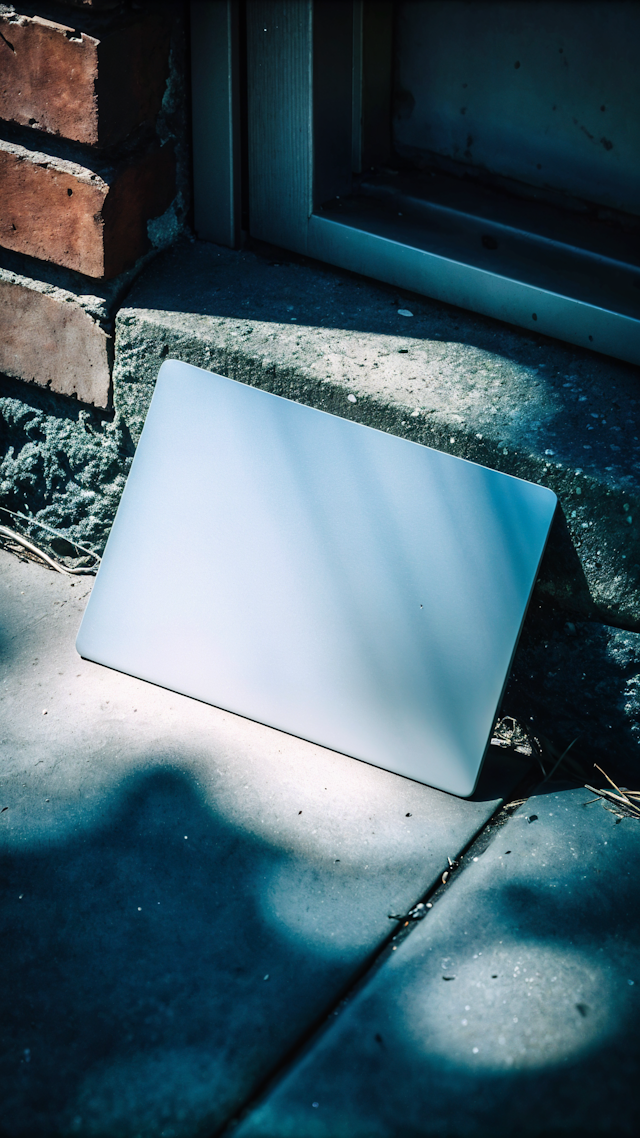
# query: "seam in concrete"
[[474, 848]]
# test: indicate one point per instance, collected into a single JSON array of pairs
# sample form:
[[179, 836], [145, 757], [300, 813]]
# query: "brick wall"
[[93, 176]]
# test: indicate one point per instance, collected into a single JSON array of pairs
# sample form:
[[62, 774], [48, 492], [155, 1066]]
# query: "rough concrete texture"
[[93, 88], [61, 464], [511, 1009], [184, 892], [92, 220], [512, 400]]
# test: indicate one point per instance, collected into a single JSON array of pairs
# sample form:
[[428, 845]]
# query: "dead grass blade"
[[610, 780], [620, 799]]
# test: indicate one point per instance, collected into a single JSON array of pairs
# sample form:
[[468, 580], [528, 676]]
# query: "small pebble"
[[352, 399], [404, 312], [45, 712]]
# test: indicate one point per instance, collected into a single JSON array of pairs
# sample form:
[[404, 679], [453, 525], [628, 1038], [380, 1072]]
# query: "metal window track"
[[567, 278]]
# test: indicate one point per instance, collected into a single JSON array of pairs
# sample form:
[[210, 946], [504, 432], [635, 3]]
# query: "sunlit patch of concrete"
[[513, 1007]]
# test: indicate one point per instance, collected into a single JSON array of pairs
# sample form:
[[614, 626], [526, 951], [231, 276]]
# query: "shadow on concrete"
[[150, 985], [6, 646], [578, 682], [270, 292], [145, 992], [535, 1033], [274, 285], [561, 578]]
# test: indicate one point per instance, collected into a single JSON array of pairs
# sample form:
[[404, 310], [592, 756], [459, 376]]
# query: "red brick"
[[95, 223], [88, 88], [48, 339]]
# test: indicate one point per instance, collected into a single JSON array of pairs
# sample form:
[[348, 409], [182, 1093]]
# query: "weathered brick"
[[94, 88], [93, 222], [48, 338]]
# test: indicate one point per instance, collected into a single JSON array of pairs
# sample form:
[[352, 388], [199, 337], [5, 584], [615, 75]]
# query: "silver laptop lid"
[[338, 583]]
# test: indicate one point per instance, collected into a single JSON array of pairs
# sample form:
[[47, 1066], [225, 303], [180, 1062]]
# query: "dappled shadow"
[[147, 985], [535, 1031], [162, 961], [136, 941]]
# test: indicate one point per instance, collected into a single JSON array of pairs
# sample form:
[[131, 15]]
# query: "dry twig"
[[623, 799]]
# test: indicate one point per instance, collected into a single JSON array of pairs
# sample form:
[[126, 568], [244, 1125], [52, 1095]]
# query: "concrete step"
[[512, 400]]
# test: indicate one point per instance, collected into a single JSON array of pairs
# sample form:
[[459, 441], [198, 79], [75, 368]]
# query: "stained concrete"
[[512, 400], [510, 1009], [185, 893]]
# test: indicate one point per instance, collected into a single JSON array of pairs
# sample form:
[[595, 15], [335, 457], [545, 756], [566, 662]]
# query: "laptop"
[[330, 580]]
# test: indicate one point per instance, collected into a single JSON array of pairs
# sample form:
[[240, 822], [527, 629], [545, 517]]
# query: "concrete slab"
[[185, 893], [511, 1009], [512, 400]]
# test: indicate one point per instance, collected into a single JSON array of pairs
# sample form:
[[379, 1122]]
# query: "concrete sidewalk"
[[511, 1010], [196, 930], [187, 894]]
